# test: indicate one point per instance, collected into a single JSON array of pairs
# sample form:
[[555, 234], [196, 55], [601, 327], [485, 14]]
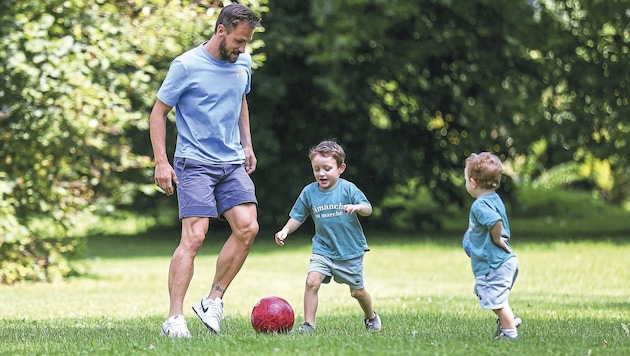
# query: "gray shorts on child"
[[348, 272], [493, 289]]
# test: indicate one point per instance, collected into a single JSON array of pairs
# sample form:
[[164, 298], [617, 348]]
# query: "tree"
[[583, 81], [412, 88], [64, 114]]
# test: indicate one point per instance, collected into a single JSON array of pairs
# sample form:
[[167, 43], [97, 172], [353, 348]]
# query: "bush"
[[29, 256], [540, 202]]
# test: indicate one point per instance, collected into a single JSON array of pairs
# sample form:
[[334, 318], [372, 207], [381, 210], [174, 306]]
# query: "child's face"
[[326, 171]]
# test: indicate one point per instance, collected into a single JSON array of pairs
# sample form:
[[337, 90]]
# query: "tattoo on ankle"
[[219, 289]]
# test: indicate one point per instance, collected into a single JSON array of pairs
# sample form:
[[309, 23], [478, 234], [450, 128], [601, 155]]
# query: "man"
[[213, 159]]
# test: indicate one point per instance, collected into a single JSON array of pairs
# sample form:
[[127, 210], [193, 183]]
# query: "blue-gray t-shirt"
[[207, 94], [338, 235], [485, 211]]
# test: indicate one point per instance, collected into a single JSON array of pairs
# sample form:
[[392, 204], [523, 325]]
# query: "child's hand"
[[503, 244], [351, 209], [280, 236]]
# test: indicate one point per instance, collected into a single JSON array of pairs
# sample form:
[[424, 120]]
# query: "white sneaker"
[[176, 327], [498, 332], [373, 324], [210, 312]]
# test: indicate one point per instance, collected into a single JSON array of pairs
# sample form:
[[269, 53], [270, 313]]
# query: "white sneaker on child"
[[498, 333], [373, 324]]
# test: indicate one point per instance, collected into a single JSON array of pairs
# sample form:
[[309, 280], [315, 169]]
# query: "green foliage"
[[553, 202], [34, 253], [66, 107], [410, 207], [411, 88]]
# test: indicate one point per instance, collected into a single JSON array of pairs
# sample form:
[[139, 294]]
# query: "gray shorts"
[[348, 272], [207, 190], [493, 289]]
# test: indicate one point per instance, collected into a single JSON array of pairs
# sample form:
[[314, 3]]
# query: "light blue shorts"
[[207, 190], [493, 289], [348, 272]]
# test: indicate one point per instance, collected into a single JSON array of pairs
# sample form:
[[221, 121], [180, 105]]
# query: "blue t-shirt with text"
[[338, 235]]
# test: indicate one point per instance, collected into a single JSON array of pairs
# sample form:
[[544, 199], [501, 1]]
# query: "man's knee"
[[246, 233], [251, 230], [244, 222], [194, 232], [192, 241]]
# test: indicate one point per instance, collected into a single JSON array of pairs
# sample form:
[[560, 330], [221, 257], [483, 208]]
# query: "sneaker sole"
[[166, 334]]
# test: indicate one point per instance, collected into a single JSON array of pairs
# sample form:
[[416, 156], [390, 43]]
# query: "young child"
[[339, 242], [487, 242]]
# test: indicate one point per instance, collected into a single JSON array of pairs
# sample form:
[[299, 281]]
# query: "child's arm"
[[499, 240], [361, 209], [288, 228]]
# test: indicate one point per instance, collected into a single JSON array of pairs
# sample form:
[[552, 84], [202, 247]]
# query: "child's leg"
[[507, 324], [313, 282], [506, 317], [365, 301]]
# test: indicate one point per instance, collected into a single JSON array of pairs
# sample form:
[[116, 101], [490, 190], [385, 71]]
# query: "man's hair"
[[235, 14], [486, 169], [329, 148]]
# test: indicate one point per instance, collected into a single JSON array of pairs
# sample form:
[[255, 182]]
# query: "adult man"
[[213, 159]]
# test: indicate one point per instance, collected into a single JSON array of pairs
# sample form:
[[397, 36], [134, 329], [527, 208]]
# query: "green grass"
[[572, 294]]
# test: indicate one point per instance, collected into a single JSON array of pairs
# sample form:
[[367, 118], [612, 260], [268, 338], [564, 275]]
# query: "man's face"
[[233, 44]]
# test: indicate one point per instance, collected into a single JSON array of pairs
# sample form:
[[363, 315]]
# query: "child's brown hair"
[[486, 169], [329, 149]]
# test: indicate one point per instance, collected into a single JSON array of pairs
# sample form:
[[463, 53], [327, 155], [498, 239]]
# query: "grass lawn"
[[572, 293]]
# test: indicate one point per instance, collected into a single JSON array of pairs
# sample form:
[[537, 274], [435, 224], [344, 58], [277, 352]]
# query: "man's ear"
[[221, 30]]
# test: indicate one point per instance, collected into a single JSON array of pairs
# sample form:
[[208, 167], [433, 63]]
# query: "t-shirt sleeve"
[[174, 84], [357, 196], [248, 88], [486, 215], [301, 209]]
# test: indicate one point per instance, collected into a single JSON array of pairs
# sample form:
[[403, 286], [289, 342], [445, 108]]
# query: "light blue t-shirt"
[[338, 235], [485, 211], [207, 94]]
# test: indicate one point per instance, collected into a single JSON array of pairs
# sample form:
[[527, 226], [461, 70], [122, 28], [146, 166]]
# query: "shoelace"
[[215, 308], [178, 321]]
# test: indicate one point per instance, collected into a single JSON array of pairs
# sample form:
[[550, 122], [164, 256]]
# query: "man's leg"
[[181, 270], [243, 220]]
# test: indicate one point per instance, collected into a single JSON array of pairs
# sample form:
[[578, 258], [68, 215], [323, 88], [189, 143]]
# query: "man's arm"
[[246, 137], [164, 173]]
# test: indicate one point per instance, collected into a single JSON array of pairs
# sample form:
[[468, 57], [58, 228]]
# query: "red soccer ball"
[[272, 315]]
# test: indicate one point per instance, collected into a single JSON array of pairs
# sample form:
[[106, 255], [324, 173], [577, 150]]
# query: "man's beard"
[[225, 55]]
